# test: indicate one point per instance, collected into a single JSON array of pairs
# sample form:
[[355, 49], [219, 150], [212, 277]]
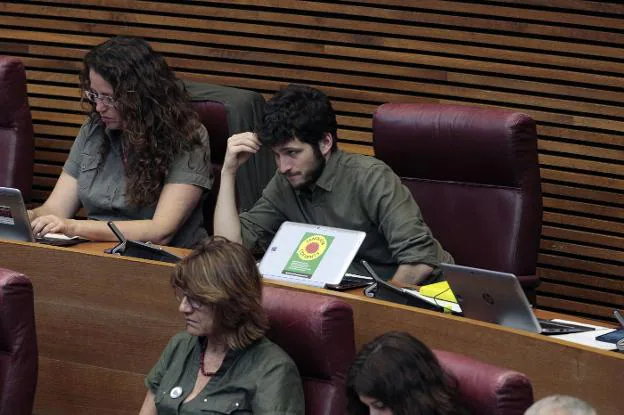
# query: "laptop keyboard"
[[350, 281], [552, 327], [58, 242], [349, 277]]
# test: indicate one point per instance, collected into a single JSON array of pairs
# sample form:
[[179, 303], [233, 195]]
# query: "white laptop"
[[310, 254], [497, 297], [15, 225]]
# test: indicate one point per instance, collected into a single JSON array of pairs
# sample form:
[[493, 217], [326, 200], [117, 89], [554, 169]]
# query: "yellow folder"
[[439, 290]]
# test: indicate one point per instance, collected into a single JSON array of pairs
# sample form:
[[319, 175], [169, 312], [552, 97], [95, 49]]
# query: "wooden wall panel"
[[561, 61]]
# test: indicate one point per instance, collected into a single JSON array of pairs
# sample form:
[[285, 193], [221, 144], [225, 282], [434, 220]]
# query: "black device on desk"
[[355, 277], [617, 336], [384, 291], [137, 249]]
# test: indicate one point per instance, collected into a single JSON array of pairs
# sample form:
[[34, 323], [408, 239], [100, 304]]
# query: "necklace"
[[202, 369]]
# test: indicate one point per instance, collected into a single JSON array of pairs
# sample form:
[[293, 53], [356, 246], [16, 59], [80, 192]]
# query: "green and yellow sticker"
[[308, 255]]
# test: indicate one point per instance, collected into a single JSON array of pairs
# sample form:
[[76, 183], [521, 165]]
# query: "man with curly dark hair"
[[141, 159], [318, 183]]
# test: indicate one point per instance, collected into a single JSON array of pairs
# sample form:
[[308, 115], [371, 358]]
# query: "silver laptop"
[[310, 254], [497, 297], [14, 223]]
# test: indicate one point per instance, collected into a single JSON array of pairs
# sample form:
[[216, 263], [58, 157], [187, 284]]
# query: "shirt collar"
[[230, 358], [328, 176]]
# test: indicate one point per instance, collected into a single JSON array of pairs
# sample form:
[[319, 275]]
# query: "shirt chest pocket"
[[88, 171], [231, 403]]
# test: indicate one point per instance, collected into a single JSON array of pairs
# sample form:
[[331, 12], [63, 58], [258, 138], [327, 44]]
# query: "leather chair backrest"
[[474, 173], [214, 116], [226, 111], [317, 332], [16, 131], [486, 389], [18, 344]]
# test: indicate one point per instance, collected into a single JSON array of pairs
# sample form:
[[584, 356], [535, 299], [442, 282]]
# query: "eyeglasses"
[[94, 97], [193, 302]]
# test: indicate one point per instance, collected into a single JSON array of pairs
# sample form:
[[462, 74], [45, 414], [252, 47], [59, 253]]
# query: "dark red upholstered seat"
[[486, 389], [16, 131], [317, 332], [474, 173], [18, 344]]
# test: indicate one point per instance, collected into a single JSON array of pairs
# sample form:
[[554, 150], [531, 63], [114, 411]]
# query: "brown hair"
[[224, 275], [159, 122], [403, 373]]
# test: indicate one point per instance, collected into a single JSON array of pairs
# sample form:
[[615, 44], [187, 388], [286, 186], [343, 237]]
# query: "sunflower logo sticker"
[[308, 255]]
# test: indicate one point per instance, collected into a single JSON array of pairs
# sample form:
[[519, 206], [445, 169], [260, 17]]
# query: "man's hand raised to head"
[[226, 221], [239, 148]]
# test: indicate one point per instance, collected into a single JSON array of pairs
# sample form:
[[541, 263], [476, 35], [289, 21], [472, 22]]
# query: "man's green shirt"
[[354, 192]]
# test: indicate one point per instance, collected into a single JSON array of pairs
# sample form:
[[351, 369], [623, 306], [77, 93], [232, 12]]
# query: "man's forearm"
[[411, 274], [226, 220]]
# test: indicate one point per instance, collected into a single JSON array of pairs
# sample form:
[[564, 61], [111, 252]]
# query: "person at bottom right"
[[396, 374]]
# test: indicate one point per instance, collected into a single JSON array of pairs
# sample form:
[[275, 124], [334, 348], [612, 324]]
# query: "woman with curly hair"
[[141, 159], [396, 374]]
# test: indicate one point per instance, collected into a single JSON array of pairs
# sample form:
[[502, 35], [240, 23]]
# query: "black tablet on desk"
[[385, 291], [137, 249]]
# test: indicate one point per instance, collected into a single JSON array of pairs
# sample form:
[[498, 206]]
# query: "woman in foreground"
[[396, 374], [222, 363]]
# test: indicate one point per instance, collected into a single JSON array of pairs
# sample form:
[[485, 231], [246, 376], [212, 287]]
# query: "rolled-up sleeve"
[[72, 164], [193, 167], [279, 391], [400, 221], [154, 377]]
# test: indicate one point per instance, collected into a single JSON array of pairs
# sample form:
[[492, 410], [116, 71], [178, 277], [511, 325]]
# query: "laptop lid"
[[14, 223], [310, 254], [491, 296]]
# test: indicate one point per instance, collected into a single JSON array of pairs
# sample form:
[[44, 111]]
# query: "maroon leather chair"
[[317, 332], [16, 131], [474, 173], [225, 111], [486, 389], [18, 345]]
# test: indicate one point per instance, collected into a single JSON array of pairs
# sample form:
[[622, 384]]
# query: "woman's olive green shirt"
[[102, 183], [260, 379]]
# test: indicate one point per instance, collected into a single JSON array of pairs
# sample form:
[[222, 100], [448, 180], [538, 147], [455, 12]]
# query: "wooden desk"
[[102, 321]]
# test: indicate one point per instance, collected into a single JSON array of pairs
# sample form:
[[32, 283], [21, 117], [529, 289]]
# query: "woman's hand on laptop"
[[52, 224]]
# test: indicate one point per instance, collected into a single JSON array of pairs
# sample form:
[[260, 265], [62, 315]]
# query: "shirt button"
[[205, 399], [236, 404]]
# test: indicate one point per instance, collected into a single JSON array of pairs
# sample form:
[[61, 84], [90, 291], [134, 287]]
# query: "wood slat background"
[[561, 61]]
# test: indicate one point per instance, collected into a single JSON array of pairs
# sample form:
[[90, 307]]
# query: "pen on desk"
[[619, 317]]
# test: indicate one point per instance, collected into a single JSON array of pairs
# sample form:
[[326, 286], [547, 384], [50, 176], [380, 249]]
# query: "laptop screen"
[[310, 254], [491, 296], [14, 223]]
